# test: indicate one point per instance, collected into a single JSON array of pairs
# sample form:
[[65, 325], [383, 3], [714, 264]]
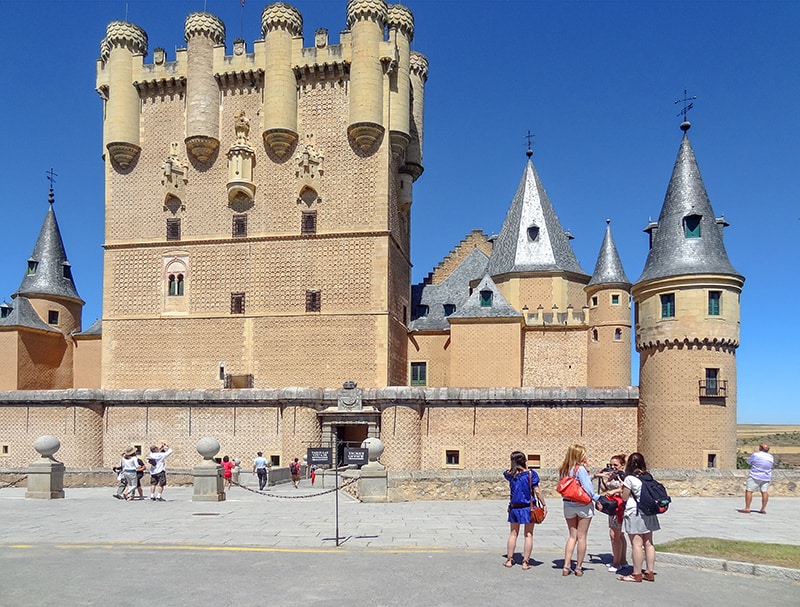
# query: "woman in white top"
[[639, 527], [129, 466]]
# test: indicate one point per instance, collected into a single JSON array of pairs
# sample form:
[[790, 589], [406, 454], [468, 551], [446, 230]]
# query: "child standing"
[[523, 485]]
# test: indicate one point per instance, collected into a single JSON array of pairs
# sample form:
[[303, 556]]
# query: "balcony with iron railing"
[[713, 388]]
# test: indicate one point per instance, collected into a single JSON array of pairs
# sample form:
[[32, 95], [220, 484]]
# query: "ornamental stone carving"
[[366, 10], [350, 397], [125, 35], [241, 158], [401, 18], [309, 171], [174, 177]]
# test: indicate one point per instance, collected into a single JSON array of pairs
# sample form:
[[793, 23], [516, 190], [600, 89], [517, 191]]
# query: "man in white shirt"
[[761, 463], [261, 468], [158, 472]]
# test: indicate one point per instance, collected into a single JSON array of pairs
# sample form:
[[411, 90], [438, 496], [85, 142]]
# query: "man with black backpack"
[[294, 470]]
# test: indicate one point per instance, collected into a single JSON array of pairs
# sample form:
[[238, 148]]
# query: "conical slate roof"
[[475, 306], [22, 314], [608, 269], [452, 291], [532, 238], [52, 274], [673, 253]]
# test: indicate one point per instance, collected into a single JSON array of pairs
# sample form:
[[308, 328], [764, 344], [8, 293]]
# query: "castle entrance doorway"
[[349, 435]]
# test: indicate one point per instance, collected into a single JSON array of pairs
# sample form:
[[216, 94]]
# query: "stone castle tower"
[[687, 330], [257, 204]]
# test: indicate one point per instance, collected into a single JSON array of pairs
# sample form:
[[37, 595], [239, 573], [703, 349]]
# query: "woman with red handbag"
[[576, 488], [524, 484]]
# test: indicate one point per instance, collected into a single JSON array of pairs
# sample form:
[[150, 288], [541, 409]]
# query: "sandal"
[[509, 563], [525, 566], [579, 572], [633, 577], [565, 572], [649, 576]]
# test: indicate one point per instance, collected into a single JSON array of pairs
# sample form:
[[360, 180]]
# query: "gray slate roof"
[[608, 269], [96, 328], [514, 251], [452, 290], [24, 316], [500, 308], [672, 253], [49, 252]]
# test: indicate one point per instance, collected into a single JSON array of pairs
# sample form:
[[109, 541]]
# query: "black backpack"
[[654, 498]]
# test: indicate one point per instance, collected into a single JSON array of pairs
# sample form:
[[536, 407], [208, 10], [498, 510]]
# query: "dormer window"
[[422, 311], [691, 226], [5, 310], [486, 299], [449, 309], [533, 233], [32, 267], [66, 270]]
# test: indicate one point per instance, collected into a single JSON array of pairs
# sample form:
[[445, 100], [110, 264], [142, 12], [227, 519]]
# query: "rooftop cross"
[[529, 136], [51, 177], [687, 105]]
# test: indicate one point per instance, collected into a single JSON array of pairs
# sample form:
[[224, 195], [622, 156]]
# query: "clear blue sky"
[[594, 81]]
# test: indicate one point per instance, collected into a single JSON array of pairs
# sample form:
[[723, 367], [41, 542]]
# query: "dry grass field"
[[784, 441]]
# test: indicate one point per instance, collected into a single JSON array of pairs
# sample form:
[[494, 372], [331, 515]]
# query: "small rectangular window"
[[534, 460], [52, 317], [313, 301], [486, 299], [711, 460], [308, 222], [239, 226], [595, 301], [275, 460], [615, 299], [237, 303], [668, 305], [5, 449], [173, 229], [452, 457], [714, 300], [419, 374]]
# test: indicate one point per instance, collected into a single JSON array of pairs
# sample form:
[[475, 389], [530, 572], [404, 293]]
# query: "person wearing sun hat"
[[129, 466]]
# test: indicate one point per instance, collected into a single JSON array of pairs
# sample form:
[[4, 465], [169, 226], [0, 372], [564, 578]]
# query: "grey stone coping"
[[703, 562], [392, 395]]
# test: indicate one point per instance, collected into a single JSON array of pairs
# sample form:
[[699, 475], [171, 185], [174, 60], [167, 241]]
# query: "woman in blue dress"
[[523, 483]]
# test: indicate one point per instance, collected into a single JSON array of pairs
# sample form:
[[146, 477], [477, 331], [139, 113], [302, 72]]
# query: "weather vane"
[[687, 105], [51, 177], [529, 137]]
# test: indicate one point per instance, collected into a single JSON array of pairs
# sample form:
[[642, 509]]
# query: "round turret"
[[400, 22], [366, 20], [203, 31], [418, 75], [123, 40], [401, 18], [280, 23]]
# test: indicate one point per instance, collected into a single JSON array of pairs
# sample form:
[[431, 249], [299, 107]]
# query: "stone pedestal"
[[208, 485], [45, 479], [373, 486]]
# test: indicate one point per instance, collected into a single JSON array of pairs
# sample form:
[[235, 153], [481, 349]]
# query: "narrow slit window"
[[52, 317], [668, 305], [714, 300], [711, 460], [239, 226], [313, 301], [173, 229], [617, 334], [308, 222], [237, 303]]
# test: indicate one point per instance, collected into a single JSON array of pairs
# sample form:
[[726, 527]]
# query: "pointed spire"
[[532, 238], [48, 272], [686, 239], [608, 269]]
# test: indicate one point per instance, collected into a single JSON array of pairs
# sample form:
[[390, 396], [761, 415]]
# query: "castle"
[[257, 280]]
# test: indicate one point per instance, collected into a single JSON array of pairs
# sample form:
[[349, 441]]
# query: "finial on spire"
[[608, 222], [687, 105], [51, 177], [529, 136]]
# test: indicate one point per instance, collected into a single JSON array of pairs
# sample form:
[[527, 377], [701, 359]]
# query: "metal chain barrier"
[[296, 497], [14, 483]]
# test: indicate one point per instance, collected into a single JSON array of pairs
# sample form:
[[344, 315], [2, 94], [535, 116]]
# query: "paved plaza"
[[89, 549]]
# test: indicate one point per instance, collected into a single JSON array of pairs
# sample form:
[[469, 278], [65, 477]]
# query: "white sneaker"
[[611, 568]]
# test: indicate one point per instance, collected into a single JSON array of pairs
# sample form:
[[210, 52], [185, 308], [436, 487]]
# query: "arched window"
[[175, 285], [533, 233], [617, 334]]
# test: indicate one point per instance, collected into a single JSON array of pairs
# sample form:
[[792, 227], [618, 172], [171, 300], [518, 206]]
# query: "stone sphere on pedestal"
[[208, 447], [47, 445], [374, 447]]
